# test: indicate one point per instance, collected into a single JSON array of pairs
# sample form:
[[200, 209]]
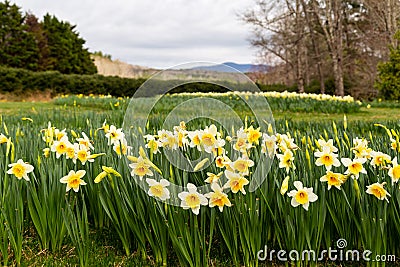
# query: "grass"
[[373, 114]]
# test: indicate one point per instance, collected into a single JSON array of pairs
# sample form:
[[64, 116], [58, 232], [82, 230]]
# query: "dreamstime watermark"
[[338, 253]]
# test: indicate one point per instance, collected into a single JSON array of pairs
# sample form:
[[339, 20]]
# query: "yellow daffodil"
[[394, 171], [192, 199], [158, 189], [327, 144], [141, 168], [212, 178], [152, 144], [236, 182], [20, 169], [354, 167], [121, 147], [3, 139], [285, 185], [218, 197], [74, 180], [378, 191], [326, 158], [286, 160], [241, 143], [60, 146], [208, 137], [222, 161], [302, 196], [59, 134], [333, 179], [100, 177], [195, 140], [379, 159], [242, 165], [82, 154], [253, 135], [269, 146], [114, 135], [200, 164], [85, 141], [46, 152]]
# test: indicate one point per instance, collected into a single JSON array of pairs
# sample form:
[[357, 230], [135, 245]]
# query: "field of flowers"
[[70, 173]]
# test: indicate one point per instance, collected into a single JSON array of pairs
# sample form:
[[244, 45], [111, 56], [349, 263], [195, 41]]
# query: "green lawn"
[[373, 114]]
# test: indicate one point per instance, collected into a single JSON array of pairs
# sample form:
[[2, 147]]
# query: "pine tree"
[[18, 48], [66, 49]]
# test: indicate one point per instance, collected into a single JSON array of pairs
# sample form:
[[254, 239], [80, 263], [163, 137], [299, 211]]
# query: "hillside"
[[108, 67]]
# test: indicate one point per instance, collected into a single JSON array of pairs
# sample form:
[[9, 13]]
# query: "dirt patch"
[[26, 97]]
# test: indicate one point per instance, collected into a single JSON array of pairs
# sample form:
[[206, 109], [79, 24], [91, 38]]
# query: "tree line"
[[313, 41], [41, 45]]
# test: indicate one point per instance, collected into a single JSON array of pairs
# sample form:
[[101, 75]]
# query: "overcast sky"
[[156, 33]]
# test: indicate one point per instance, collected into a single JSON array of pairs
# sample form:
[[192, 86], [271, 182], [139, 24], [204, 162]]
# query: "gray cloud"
[[157, 33]]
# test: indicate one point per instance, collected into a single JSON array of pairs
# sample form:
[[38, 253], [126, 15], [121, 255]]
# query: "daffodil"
[[195, 140], [60, 134], [333, 179], [241, 143], [141, 168], [302, 196], [218, 197], [20, 169], [326, 158], [192, 199], [379, 159], [82, 154], [327, 144], [285, 185], [168, 139], [236, 182], [3, 139], [114, 135], [212, 178], [361, 149], [121, 147], [222, 161], [354, 167], [208, 136], [242, 165], [285, 142], [46, 152], [74, 180], [394, 171], [158, 189], [85, 141], [253, 135], [269, 145], [152, 144], [378, 191], [60, 146], [286, 160]]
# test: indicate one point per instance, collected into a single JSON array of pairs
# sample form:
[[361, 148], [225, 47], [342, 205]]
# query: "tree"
[[36, 28], [18, 48], [66, 52], [388, 82]]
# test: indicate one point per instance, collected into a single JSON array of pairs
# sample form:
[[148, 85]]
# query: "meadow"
[[96, 194]]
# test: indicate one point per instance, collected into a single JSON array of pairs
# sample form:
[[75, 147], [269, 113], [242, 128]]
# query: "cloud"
[[156, 33]]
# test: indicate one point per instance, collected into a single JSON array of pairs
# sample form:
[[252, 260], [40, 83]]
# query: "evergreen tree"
[[36, 28], [66, 51], [388, 82], [18, 48]]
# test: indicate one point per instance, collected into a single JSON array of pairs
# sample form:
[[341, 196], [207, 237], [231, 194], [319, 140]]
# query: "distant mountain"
[[224, 67]]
